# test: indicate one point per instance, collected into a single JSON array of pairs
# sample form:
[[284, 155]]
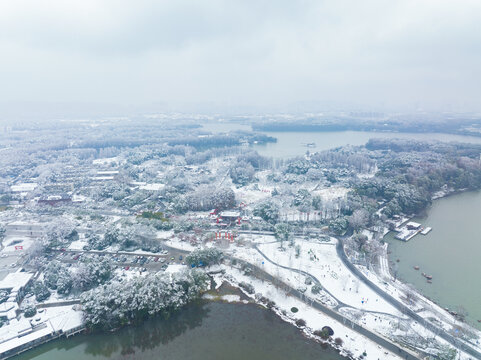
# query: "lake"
[[290, 144], [205, 330], [451, 253]]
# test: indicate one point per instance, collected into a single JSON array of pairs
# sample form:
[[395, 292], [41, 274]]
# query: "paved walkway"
[[404, 309]]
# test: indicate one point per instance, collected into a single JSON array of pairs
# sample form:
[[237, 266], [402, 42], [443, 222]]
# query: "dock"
[[410, 230], [426, 230]]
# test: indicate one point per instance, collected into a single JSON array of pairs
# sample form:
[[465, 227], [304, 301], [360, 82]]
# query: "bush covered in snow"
[[40, 291], [117, 304], [30, 311], [3, 296], [301, 323], [247, 287]]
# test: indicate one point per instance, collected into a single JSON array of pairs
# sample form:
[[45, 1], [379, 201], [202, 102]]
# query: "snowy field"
[[354, 344], [321, 261]]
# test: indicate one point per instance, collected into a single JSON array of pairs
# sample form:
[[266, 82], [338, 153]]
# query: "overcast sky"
[[418, 53]]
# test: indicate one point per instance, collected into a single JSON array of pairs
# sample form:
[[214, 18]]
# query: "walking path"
[[406, 310]]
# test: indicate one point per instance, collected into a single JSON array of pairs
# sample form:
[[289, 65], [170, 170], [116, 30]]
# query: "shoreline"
[[422, 215], [234, 288]]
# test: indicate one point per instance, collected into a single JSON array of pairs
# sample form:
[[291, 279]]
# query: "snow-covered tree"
[[359, 219], [241, 173], [267, 211], [204, 257], [118, 304], [91, 273]]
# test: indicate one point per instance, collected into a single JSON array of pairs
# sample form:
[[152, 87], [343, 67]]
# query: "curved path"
[[404, 309], [379, 339], [316, 280]]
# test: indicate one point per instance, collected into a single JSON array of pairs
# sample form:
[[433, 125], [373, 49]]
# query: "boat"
[[416, 267], [429, 277], [430, 282]]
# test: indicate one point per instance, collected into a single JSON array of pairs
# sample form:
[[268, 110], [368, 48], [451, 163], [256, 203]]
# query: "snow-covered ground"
[[354, 344], [251, 195], [331, 193], [78, 244], [321, 261]]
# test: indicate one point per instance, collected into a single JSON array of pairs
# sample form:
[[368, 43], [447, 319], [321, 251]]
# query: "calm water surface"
[[291, 144], [451, 253], [211, 331]]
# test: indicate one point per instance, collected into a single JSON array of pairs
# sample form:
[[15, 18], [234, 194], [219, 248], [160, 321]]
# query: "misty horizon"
[[217, 56]]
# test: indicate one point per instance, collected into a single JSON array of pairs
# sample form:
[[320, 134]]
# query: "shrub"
[[30, 311], [3, 296], [247, 287], [300, 322], [41, 291], [324, 333]]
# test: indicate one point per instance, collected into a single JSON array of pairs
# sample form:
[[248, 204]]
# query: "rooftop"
[[15, 280]]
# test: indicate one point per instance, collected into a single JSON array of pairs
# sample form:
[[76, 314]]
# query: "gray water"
[[451, 253], [211, 331], [291, 144]]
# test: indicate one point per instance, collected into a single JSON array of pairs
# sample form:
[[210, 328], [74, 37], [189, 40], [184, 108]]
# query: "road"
[[380, 340], [404, 309]]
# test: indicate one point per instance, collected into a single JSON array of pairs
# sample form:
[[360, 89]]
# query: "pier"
[[410, 230]]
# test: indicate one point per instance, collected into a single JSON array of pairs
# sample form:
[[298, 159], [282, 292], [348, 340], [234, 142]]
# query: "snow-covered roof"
[[20, 332], [230, 214], [152, 187], [8, 310], [104, 161], [15, 280], [7, 306], [16, 341], [107, 172], [413, 224], [24, 187], [99, 178], [78, 198]]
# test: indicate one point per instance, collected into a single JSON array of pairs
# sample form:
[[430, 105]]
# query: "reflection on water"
[[203, 330], [149, 335]]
